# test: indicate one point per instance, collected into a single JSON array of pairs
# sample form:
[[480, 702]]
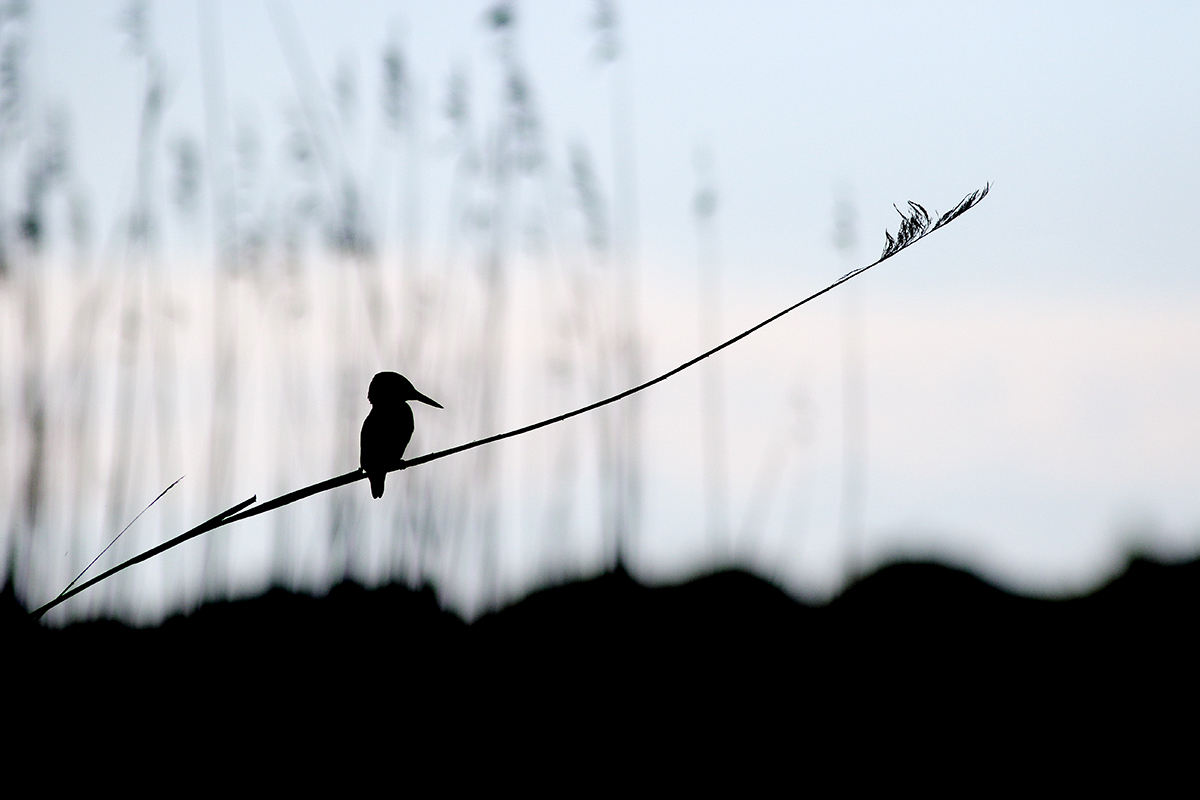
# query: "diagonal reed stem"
[[914, 228], [204, 527], [119, 535]]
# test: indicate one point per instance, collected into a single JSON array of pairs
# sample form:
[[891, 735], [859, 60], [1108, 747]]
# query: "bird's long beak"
[[418, 396]]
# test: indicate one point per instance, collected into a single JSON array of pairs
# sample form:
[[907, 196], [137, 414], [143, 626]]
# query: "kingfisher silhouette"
[[389, 426]]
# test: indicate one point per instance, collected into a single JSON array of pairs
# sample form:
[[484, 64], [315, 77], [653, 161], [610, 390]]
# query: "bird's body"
[[388, 428], [385, 434]]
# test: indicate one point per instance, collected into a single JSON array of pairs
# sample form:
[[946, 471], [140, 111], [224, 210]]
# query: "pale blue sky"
[[1083, 115]]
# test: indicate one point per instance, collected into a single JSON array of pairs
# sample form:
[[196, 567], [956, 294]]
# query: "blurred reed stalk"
[[501, 155], [80, 448], [223, 424], [854, 396], [595, 313], [611, 52], [13, 47], [712, 387], [146, 318]]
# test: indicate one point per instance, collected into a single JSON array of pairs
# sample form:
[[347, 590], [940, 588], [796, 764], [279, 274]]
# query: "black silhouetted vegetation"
[[910, 639]]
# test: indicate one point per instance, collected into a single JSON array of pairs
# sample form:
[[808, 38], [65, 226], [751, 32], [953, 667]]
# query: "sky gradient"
[[1031, 371]]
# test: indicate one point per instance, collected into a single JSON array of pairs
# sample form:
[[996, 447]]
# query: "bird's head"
[[388, 388]]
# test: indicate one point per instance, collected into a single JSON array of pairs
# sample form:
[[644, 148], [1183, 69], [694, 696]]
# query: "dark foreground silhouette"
[[923, 638]]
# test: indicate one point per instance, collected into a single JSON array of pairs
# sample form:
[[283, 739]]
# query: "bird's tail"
[[377, 479]]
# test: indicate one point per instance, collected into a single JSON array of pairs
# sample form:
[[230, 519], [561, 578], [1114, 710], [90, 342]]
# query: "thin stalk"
[[119, 535], [204, 527], [223, 430]]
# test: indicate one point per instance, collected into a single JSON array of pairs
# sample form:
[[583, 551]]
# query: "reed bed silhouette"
[[229, 323]]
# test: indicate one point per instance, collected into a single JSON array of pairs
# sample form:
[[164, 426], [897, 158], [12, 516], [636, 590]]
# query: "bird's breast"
[[385, 435]]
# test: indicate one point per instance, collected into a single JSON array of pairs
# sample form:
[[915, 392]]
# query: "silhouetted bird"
[[389, 426]]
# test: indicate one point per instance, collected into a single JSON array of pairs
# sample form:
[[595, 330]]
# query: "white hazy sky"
[[1033, 370]]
